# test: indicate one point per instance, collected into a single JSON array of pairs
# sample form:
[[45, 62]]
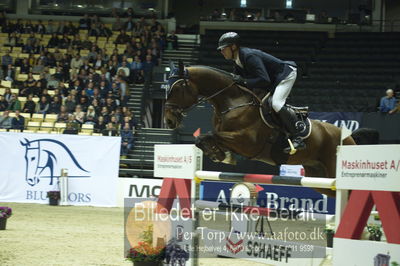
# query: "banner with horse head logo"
[[30, 165]]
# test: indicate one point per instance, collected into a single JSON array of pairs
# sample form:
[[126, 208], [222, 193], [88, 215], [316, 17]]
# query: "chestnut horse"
[[239, 128]]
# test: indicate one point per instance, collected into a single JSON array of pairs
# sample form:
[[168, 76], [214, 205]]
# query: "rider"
[[258, 69]]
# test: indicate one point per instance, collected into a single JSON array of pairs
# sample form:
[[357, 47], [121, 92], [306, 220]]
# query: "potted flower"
[[5, 213], [330, 233], [144, 254], [54, 197], [375, 232]]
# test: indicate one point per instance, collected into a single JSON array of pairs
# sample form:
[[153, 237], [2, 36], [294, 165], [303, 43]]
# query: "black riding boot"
[[289, 119]]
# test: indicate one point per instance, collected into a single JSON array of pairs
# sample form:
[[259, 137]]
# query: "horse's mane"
[[223, 72]]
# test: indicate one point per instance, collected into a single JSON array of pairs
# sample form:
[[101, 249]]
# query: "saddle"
[[271, 118]]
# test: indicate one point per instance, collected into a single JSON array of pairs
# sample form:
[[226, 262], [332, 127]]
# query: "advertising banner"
[[30, 165], [352, 120]]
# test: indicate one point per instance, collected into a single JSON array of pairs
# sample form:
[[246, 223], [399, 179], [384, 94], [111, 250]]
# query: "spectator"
[[14, 104], [3, 103], [72, 126], [5, 120], [148, 67], [172, 41], [76, 63], [18, 122], [388, 103], [100, 125], [40, 28], [117, 25], [30, 105], [129, 25], [79, 114], [85, 22], [7, 95], [109, 130], [55, 105], [63, 115], [124, 67], [43, 106], [50, 27], [126, 140], [25, 67], [6, 60], [137, 75], [122, 38], [54, 41]]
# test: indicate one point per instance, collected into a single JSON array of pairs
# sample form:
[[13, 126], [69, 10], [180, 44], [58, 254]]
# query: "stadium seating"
[[349, 72]]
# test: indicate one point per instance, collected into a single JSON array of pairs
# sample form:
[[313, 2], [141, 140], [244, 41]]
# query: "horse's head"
[[32, 158], [181, 95]]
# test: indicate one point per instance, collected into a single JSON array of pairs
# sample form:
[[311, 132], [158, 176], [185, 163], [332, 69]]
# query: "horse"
[[238, 126], [48, 156]]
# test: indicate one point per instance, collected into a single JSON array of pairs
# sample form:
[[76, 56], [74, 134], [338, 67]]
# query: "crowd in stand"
[[91, 89]]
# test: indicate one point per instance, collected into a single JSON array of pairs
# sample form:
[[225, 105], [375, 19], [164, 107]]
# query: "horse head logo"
[[41, 158]]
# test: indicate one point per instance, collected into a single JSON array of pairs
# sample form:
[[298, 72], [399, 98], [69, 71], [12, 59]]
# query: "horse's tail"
[[366, 136]]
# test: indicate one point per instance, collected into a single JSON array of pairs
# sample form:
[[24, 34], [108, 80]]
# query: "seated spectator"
[[18, 122], [30, 105], [91, 116], [9, 74], [6, 60], [388, 103], [7, 95], [70, 29], [124, 67], [76, 63], [54, 41], [25, 67], [117, 25], [5, 120], [122, 38], [3, 103], [104, 31], [55, 105], [110, 130], [105, 114], [51, 29], [14, 104], [100, 125], [79, 114], [63, 115], [38, 67], [72, 126], [43, 106], [85, 22], [126, 140]]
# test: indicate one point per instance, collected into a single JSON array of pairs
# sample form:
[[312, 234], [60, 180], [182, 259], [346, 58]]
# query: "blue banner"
[[275, 197], [352, 120]]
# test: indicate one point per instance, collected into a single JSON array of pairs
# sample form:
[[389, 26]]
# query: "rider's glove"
[[239, 80]]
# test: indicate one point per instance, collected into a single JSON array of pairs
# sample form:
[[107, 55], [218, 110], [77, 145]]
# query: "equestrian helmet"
[[228, 39]]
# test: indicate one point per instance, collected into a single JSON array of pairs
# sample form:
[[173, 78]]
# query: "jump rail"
[[313, 182]]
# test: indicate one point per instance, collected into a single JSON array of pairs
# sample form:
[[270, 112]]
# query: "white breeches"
[[283, 89]]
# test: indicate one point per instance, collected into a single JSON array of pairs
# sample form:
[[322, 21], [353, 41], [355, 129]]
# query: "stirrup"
[[292, 149]]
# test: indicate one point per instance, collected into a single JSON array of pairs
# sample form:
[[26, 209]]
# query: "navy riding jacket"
[[262, 70]]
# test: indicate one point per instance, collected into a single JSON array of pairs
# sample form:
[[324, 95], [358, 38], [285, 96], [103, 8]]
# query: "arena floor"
[[69, 235]]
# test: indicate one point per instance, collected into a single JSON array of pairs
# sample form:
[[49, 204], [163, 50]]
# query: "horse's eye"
[[33, 158]]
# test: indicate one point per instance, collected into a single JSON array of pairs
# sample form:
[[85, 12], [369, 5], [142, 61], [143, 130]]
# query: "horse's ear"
[[181, 68]]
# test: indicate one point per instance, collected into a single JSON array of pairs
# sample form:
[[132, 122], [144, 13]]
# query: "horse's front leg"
[[214, 150]]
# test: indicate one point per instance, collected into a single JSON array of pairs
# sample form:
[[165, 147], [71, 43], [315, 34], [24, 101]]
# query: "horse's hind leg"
[[317, 169]]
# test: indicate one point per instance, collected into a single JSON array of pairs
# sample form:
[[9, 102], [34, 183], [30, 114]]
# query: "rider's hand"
[[239, 80]]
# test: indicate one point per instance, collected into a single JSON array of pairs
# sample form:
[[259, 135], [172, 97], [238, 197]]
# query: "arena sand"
[[69, 235]]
